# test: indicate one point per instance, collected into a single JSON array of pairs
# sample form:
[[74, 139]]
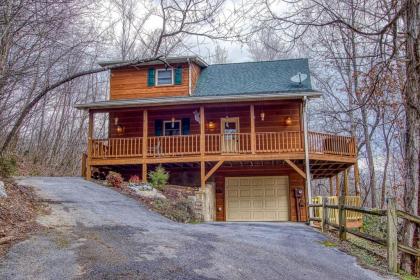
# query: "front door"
[[230, 136]]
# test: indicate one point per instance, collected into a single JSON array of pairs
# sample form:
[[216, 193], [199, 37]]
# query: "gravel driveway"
[[96, 233]]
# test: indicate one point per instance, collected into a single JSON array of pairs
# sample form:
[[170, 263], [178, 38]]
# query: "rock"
[[154, 194], [140, 187], [2, 190]]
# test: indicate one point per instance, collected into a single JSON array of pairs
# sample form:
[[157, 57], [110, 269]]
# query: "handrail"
[[216, 143]]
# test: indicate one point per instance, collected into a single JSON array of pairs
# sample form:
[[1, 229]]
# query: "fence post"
[[324, 225], [392, 241], [341, 218]]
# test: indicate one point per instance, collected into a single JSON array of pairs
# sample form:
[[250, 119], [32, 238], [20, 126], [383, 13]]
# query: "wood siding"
[[274, 121], [131, 83]]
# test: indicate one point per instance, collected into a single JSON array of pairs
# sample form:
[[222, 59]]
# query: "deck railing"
[[285, 141], [235, 143], [177, 145], [117, 147]]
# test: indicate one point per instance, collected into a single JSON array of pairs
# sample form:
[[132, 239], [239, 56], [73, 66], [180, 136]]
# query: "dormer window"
[[164, 77]]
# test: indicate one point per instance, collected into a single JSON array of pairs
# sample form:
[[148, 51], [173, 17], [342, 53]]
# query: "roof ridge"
[[262, 61]]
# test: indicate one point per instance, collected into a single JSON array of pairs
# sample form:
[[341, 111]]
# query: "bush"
[[8, 166], [134, 180], [159, 177], [114, 179]]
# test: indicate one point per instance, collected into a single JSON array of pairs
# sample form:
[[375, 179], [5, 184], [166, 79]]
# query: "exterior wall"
[[131, 83], [295, 181], [274, 121]]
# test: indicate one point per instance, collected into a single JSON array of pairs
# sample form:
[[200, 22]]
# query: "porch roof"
[[196, 99]]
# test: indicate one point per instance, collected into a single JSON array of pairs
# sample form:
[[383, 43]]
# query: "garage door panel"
[[257, 199]]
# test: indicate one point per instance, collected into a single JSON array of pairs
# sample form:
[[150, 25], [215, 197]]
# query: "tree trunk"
[[412, 135]]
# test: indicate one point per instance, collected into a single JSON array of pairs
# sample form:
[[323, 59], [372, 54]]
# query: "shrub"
[[114, 179], [134, 180], [8, 166], [159, 177]]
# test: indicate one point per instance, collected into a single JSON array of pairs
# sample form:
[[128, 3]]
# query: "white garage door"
[[257, 198]]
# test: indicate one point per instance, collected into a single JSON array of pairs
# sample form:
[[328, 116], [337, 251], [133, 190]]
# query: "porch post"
[[307, 167], [253, 135], [90, 139], [144, 148], [346, 182], [331, 186], [337, 185], [356, 178], [202, 148]]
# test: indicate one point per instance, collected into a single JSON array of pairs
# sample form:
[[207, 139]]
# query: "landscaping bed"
[[172, 201], [18, 213]]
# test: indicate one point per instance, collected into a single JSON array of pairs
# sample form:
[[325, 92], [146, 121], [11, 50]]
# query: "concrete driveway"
[[96, 233]]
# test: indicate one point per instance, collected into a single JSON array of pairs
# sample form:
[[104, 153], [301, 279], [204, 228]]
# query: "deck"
[[233, 147]]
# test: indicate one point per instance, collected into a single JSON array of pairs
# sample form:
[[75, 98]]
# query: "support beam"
[[202, 148], [144, 173], [253, 134], [331, 186], [296, 168], [211, 172], [356, 178], [90, 139], [346, 183], [203, 175], [337, 185], [145, 144]]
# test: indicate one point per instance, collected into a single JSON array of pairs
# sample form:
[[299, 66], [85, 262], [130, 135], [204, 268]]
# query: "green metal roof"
[[253, 77]]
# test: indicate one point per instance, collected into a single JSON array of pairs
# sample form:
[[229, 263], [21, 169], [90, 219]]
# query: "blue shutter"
[[158, 127], [178, 75], [151, 77], [185, 122]]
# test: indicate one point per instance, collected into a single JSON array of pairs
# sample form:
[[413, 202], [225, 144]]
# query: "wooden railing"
[[279, 142], [235, 143], [392, 215], [178, 145], [331, 144], [117, 147]]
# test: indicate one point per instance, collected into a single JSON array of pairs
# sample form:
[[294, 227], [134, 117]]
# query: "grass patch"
[[328, 243], [406, 276]]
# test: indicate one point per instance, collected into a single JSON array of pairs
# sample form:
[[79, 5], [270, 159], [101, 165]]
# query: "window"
[[171, 128], [164, 77]]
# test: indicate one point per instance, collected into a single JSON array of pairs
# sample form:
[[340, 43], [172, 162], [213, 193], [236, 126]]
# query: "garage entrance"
[[257, 198]]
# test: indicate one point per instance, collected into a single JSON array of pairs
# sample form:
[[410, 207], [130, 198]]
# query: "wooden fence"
[[392, 214]]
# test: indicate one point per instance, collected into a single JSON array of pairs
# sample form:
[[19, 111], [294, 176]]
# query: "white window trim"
[[157, 77], [176, 121]]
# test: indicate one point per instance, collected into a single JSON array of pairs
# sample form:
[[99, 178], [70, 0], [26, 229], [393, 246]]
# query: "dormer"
[[177, 77]]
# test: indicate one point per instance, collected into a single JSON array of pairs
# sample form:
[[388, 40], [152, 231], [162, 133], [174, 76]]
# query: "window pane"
[[164, 77], [172, 128]]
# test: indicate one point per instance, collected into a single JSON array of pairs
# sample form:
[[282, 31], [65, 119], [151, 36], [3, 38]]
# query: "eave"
[[186, 100]]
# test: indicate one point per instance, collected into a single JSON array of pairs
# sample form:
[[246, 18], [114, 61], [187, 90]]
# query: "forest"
[[364, 57]]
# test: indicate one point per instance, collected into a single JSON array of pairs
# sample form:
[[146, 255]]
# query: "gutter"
[[185, 100]]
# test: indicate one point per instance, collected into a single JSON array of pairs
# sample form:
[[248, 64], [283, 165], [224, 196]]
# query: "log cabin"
[[238, 129]]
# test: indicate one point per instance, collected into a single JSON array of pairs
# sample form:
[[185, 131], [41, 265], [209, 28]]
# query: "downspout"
[[189, 76], [306, 147]]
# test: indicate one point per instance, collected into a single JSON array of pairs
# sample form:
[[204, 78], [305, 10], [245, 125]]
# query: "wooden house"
[[240, 126]]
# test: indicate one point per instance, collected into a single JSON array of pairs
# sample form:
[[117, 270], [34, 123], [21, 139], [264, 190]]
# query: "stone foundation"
[[205, 203]]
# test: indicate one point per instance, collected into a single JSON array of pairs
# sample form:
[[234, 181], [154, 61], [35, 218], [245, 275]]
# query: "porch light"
[[212, 125], [116, 120], [288, 121], [262, 115], [120, 129], [173, 122]]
